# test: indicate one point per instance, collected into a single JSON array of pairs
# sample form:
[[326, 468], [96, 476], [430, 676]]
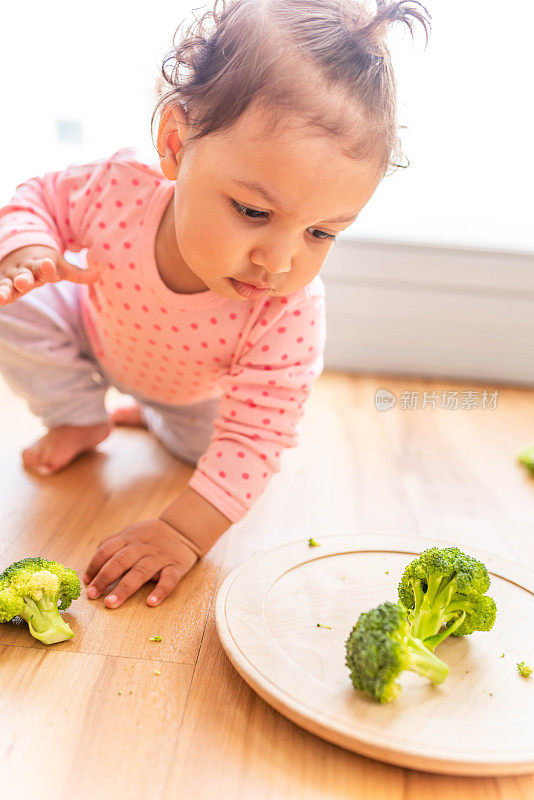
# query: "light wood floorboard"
[[197, 730]]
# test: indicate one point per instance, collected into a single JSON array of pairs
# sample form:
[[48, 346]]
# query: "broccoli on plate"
[[31, 589], [381, 646], [524, 669], [446, 587]]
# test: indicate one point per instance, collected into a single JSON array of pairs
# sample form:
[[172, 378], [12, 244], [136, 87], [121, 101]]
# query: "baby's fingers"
[[6, 290], [76, 274], [23, 280], [169, 579], [46, 270]]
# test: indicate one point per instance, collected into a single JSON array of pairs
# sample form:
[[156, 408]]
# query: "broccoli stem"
[[433, 609], [432, 641], [461, 607], [433, 588], [45, 621], [463, 604], [424, 662], [427, 612], [418, 593]]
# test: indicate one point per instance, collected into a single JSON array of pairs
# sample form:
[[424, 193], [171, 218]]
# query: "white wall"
[[445, 312]]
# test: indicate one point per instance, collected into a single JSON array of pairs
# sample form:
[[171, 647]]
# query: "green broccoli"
[[524, 669], [31, 589], [381, 646], [446, 587], [526, 457]]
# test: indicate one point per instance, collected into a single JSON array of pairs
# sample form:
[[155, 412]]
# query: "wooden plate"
[[480, 721]]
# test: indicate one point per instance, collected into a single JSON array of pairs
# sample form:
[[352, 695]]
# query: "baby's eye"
[[242, 211], [246, 213]]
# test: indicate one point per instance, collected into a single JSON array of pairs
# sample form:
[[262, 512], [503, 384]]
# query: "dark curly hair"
[[321, 62]]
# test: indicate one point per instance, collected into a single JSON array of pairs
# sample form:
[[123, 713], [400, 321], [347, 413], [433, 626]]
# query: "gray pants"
[[45, 356]]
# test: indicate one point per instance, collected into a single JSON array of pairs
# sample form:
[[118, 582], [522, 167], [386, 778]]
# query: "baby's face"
[[225, 231]]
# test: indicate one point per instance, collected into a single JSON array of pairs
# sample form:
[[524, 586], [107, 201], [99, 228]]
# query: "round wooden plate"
[[480, 721]]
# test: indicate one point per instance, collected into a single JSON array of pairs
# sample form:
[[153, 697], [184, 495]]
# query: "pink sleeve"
[[50, 210], [264, 394]]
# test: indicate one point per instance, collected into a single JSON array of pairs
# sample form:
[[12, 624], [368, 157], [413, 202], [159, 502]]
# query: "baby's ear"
[[173, 141], [171, 135], [173, 121]]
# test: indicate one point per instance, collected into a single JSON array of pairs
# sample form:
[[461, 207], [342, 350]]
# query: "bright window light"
[[77, 89]]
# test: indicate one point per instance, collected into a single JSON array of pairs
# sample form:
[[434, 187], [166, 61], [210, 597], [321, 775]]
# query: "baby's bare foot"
[[128, 415], [61, 445]]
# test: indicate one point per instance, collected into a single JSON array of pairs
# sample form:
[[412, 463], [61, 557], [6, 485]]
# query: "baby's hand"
[[29, 267], [142, 551]]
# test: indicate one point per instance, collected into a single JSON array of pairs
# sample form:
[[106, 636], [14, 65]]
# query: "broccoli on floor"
[[446, 587], [31, 589], [381, 646]]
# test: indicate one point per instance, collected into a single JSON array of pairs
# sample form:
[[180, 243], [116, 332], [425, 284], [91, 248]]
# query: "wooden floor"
[[89, 718]]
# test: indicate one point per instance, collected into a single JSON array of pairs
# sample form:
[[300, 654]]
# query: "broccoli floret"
[[446, 587], [381, 646], [524, 669], [526, 457], [31, 589]]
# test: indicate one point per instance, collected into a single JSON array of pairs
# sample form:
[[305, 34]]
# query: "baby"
[[201, 295]]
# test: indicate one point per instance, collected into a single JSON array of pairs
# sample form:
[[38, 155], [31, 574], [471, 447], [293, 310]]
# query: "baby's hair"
[[321, 63]]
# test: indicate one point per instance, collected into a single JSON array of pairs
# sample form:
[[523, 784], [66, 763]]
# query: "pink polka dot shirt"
[[260, 357]]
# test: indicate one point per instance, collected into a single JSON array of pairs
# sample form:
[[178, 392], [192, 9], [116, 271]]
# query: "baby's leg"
[[45, 357], [130, 414], [184, 430]]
